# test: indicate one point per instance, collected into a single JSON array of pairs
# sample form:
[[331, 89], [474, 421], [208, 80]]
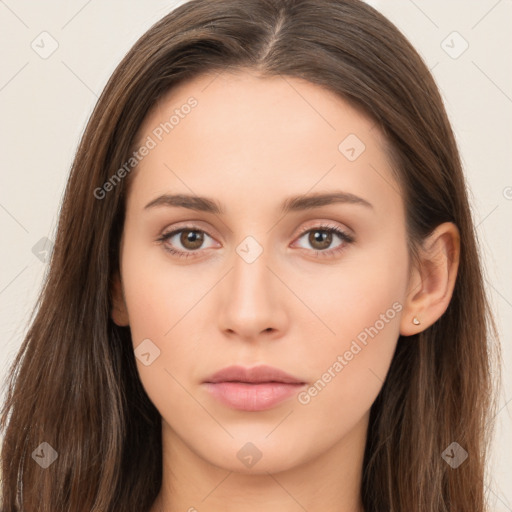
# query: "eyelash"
[[345, 238]]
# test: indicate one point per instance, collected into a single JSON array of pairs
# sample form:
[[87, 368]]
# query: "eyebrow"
[[292, 204]]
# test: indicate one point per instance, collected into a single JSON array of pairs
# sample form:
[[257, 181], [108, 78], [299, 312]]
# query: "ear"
[[119, 312], [432, 280]]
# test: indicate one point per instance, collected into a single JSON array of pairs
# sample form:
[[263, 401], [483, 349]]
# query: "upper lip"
[[256, 374]]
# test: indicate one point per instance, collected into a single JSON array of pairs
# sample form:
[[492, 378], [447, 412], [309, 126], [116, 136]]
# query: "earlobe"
[[119, 312], [432, 283]]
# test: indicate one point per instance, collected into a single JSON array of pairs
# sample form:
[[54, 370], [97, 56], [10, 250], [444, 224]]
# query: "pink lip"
[[252, 389]]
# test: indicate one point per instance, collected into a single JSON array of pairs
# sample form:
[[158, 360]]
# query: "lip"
[[252, 389]]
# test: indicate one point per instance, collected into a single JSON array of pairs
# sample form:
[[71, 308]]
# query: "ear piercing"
[[415, 321]]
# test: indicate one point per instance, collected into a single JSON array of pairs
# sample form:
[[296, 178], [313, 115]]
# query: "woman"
[[265, 292]]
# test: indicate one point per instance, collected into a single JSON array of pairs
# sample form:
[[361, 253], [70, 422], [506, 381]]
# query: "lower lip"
[[252, 397]]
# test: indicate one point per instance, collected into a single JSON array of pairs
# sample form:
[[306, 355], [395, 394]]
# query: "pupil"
[[192, 239], [321, 237]]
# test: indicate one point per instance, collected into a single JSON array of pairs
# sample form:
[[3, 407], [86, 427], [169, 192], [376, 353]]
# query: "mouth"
[[252, 389]]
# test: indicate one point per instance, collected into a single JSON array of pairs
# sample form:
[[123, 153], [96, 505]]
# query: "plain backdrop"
[[56, 59]]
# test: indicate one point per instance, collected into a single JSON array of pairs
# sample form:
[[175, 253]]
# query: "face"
[[297, 261]]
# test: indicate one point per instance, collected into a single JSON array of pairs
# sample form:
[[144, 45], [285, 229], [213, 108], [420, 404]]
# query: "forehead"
[[246, 102], [241, 132]]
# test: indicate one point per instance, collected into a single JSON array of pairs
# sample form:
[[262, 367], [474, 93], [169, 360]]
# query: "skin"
[[249, 144]]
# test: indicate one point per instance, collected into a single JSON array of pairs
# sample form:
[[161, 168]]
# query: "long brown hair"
[[74, 383]]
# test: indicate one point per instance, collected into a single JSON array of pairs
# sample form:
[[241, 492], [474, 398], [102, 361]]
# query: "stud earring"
[[415, 321]]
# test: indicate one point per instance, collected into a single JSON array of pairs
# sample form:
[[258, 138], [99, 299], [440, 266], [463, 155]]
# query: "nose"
[[252, 300]]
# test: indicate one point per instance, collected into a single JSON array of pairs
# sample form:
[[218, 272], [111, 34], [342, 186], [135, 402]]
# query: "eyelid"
[[345, 237], [167, 234], [327, 225], [343, 234]]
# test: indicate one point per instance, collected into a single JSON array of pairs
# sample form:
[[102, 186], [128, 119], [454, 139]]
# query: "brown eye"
[[325, 240], [320, 239], [186, 242], [191, 239]]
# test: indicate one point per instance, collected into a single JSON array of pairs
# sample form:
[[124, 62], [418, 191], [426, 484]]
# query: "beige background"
[[45, 103]]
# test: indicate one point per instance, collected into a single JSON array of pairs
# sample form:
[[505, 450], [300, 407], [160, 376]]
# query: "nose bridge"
[[251, 279], [250, 303]]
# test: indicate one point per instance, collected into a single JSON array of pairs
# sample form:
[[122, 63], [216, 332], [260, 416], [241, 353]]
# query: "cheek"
[[161, 300], [158, 292], [362, 304]]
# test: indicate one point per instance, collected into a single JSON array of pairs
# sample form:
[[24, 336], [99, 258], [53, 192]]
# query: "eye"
[[321, 238], [190, 238]]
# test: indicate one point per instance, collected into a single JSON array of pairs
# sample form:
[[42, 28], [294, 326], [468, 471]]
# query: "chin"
[[255, 454]]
